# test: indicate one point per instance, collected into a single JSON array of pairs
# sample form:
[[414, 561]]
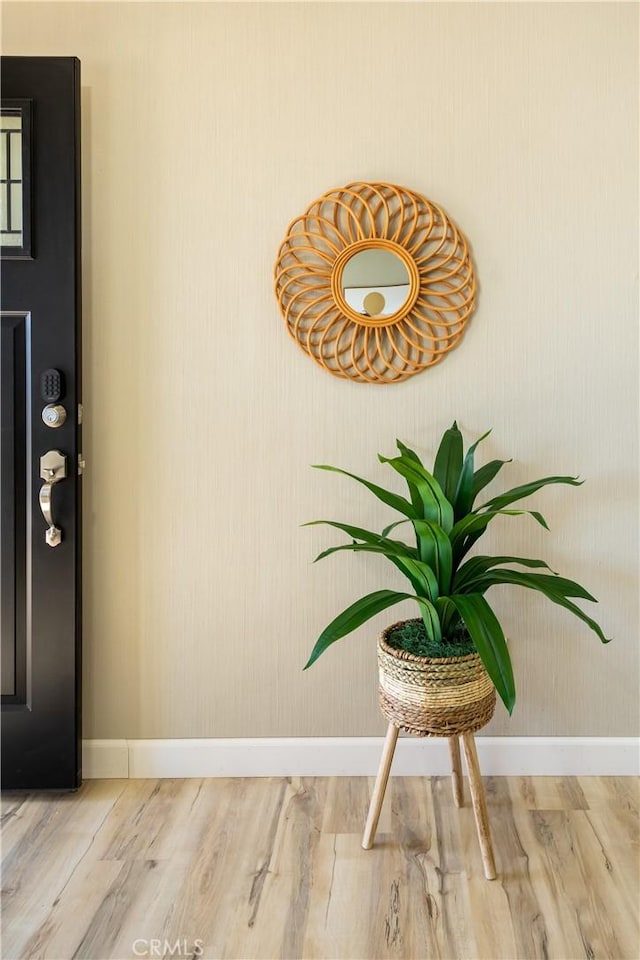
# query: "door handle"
[[53, 469]]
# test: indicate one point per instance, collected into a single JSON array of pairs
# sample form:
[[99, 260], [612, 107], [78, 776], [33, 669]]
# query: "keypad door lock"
[[52, 385], [52, 391]]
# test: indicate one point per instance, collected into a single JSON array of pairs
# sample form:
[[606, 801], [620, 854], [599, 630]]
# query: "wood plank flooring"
[[273, 868]]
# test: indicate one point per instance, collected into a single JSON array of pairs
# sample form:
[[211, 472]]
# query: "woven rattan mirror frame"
[[357, 217]]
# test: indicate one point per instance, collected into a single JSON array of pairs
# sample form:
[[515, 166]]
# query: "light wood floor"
[[274, 869]]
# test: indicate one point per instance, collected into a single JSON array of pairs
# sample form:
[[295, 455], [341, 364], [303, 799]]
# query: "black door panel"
[[41, 317]]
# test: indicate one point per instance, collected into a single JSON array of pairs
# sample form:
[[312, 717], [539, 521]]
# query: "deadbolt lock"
[[54, 415]]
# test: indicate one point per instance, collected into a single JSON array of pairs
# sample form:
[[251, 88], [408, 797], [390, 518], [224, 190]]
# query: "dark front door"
[[40, 449]]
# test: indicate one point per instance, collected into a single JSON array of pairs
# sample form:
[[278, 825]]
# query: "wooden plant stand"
[[475, 782]]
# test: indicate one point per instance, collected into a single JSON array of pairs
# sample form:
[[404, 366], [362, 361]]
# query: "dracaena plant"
[[448, 587]]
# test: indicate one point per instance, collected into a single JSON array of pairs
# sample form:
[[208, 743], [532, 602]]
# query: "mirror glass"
[[375, 283]]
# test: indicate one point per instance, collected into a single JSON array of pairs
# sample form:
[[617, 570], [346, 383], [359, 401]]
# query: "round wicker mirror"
[[375, 282]]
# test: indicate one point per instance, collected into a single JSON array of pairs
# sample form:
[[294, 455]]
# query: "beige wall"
[[206, 128]]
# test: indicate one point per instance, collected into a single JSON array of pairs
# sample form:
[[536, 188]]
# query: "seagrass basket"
[[433, 696]]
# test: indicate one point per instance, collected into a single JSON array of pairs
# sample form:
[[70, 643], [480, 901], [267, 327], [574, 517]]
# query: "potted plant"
[[439, 673]]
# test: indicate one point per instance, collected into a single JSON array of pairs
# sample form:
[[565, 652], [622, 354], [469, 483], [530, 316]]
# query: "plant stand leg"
[[479, 805], [456, 771], [380, 787]]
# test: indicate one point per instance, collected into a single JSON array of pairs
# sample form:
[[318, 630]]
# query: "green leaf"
[[358, 548], [447, 613], [470, 528], [408, 453], [541, 582], [391, 499], [556, 589], [430, 619], [392, 526], [518, 493], [448, 462], [490, 643], [434, 549], [367, 536], [485, 475], [420, 576], [480, 564], [580, 614], [414, 492], [398, 523], [353, 617], [463, 498], [435, 505]]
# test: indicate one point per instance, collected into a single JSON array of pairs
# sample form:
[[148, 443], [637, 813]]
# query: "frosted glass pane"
[[10, 239], [16, 207], [15, 140], [3, 207]]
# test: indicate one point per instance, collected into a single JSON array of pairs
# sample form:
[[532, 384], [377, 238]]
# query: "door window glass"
[[14, 180]]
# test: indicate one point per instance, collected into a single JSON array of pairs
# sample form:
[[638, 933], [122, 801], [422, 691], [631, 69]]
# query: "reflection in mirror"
[[375, 283]]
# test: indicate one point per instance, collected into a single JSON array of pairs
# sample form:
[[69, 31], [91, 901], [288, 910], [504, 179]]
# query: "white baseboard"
[[355, 757]]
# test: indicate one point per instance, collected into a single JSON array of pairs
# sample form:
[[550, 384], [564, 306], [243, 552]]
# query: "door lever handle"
[[53, 468]]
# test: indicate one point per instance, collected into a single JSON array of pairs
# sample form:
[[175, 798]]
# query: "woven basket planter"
[[433, 696]]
